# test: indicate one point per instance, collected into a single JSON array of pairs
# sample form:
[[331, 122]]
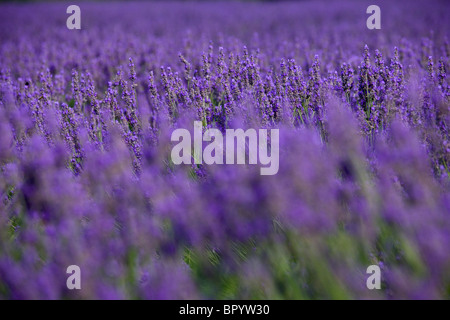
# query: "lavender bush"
[[86, 177]]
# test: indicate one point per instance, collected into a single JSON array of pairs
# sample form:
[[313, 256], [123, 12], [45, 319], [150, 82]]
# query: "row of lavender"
[[86, 177]]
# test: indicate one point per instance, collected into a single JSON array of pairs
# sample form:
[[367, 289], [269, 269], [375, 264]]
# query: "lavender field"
[[86, 176]]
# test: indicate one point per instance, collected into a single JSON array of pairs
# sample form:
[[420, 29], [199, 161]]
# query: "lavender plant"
[[86, 177]]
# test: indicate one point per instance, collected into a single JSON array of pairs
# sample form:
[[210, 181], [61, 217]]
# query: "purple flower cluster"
[[85, 171]]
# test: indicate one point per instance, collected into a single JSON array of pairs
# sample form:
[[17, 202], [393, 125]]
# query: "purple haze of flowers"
[[85, 171]]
